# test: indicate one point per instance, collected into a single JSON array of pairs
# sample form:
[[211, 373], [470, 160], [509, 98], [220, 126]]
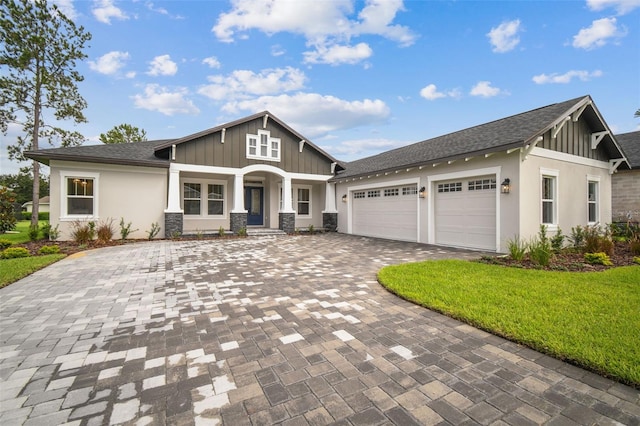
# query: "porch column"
[[287, 216], [173, 214], [238, 215], [330, 213]]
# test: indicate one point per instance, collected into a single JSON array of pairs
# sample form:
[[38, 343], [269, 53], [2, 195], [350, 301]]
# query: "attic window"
[[263, 147]]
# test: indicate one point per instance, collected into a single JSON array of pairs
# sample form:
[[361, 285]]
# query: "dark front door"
[[253, 202]]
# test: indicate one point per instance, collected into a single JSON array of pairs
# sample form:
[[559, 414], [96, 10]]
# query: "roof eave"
[[46, 159]]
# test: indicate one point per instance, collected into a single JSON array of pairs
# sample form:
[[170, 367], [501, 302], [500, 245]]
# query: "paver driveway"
[[266, 330]]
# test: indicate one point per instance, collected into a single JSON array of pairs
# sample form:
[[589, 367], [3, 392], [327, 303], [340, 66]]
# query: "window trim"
[[269, 146], [66, 174], [596, 202], [554, 175], [204, 198], [294, 200]]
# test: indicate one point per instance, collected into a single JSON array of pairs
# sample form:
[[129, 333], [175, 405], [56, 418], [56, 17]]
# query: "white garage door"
[[388, 212], [465, 213]]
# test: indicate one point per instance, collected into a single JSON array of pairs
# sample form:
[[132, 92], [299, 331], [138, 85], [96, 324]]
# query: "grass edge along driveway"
[[12, 270], [589, 319]]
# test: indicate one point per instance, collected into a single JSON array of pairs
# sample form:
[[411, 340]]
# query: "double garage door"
[[464, 212], [388, 212]]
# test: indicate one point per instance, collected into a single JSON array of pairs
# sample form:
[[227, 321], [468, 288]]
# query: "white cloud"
[[336, 54], [314, 114], [66, 7], [597, 34], [161, 99], [322, 23], [360, 148], [245, 83], [485, 90], [504, 37], [212, 61], [277, 50], [621, 6], [104, 10], [431, 93], [130, 74], [109, 63], [566, 77], [162, 65]]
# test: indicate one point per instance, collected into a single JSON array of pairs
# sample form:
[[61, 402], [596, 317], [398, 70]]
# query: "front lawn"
[[12, 270], [590, 319], [22, 235]]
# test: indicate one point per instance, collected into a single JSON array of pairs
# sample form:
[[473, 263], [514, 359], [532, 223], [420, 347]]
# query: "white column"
[[173, 199], [286, 196], [330, 198], [238, 194]]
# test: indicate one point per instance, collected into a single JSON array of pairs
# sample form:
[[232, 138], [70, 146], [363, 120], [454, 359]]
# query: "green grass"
[[12, 270], [590, 319], [23, 233]]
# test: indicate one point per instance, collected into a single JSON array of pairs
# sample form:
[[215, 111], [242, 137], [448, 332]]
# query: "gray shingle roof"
[[136, 154], [514, 131], [630, 144]]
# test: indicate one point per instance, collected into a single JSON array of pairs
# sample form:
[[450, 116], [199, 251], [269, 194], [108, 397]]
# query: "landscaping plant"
[[7, 218], [557, 241], [598, 259], [83, 232], [104, 230], [34, 232], [577, 237], [125, 229], [5, 244], [53, 249], [221, 231], [15, 252], [155, 229]]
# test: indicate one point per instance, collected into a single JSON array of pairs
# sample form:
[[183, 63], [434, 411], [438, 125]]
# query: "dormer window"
[[263, 147]]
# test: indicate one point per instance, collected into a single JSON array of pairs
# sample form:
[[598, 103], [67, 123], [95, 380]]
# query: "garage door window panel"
[[450, 187]]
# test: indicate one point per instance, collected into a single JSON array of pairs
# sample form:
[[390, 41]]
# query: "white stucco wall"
[[137, 194]]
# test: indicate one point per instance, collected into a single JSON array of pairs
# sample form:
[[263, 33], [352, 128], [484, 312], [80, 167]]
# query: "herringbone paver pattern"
[[265, 330]]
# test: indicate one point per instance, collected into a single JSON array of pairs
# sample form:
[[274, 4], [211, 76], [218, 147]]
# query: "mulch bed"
[[568, 260]]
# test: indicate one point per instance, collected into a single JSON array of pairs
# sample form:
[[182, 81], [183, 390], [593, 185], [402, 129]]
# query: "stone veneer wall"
[[330, 221], [625, 195], [238, 221], [287, 222], [173, 223]]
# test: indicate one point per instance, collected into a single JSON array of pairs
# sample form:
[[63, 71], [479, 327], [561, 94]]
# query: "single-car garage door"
[[386, 212], [465, 212]]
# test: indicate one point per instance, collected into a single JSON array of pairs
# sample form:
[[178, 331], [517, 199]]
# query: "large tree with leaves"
[[123, 133], [39, 48]]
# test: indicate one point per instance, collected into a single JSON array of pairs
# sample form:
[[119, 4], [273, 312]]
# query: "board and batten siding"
[[573, 138], [208, 150]]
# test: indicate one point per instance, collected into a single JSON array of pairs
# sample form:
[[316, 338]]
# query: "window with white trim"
[[301, 200], [263, 147], [79, 195], [592, 201], [203, 198], [549, 199]]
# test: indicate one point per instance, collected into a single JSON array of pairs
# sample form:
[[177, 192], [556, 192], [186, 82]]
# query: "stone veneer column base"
[[330, 221], [238, 221], [173, 223], [287, 222]]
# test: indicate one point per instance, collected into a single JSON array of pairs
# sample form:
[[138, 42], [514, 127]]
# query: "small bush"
[[598, 259], [83, 232], [54, 249], [155, 229], [7, 216], [54, 233], [221, 231], [557, 241], [635, 246], [199, 234], [540, 252], [597, 240], [4, 244], [517, 248], [42, 216], [125, 229], [34, 232], [577, 237], [636, 260], [15, 252], [176, 235], [105, 231], [242, 232], [311, 229]]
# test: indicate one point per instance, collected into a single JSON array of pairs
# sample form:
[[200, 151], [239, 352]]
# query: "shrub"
[[104, 230], [636, 260], [54, 249], [54, 233], [540, 252], [125, 229], [41, 215], [83, 232], [4, 244], [34, 232], [635, 246], [7, 216], [557, 241], [311, 229], [517, 248], [155, 229], [199, 234], [175, 235], [15, 252], [577, 237], [221, 231], [598, 259], [242, 232], [597, 240]]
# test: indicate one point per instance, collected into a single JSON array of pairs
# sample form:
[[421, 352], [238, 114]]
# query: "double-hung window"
[[215, 197], [191, 193], [203, 198], [592, 200], [263, 147], [549, 197], [79, 195], [304, 202]]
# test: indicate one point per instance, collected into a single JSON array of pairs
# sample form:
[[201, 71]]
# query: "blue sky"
[[354, 77]]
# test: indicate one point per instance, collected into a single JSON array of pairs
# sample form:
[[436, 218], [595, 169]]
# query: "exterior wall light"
[[344, 198], [505, 187], [423, 192]]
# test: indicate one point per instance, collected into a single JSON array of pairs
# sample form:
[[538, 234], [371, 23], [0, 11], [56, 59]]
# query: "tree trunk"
[[36, 194]]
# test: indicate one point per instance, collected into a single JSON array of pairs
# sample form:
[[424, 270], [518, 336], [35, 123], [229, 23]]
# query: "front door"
[[253, 202]]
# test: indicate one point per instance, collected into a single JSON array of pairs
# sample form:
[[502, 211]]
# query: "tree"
[[637, 114], [123, 133], [21, 185], [7, 218], [38, 54]]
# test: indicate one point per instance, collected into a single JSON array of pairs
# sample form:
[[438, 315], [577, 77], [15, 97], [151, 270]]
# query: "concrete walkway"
[[266, 330]]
